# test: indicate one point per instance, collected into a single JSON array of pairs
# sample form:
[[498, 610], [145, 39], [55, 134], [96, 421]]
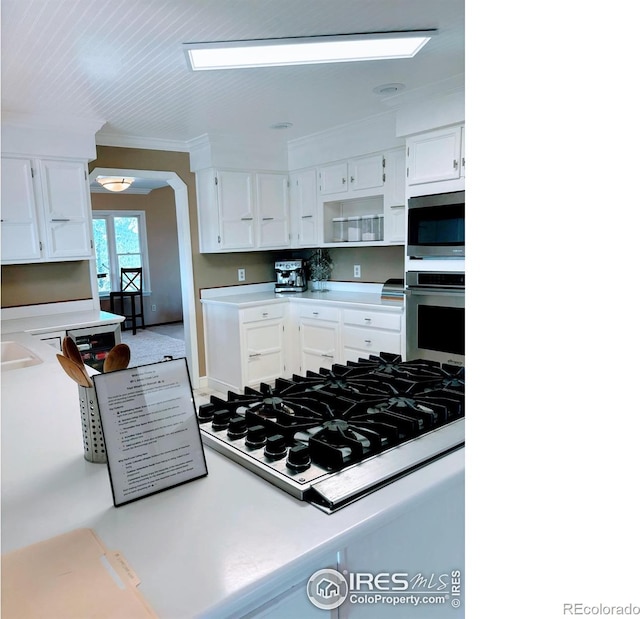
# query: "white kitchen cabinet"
[[262, 347], [272, 206], [395, 196], [370, 332], [358, 177], [46, 211], [304, 208], [244, 346], [425, 546], [53, 338], [434, 156], [20, 235], [319, 336], [242, 210], [235, 209]]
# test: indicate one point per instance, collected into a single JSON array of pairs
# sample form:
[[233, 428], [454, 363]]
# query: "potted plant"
[[320, 265]]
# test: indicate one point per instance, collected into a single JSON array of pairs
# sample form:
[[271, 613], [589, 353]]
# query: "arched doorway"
[[184, 252]]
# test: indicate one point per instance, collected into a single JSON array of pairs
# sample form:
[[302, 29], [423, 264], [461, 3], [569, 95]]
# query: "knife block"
[[94, 449]]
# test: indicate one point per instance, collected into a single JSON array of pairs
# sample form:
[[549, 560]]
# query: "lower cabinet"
[[244, 347], [319, 337], [367, 333], [423, 551], [262, 342], [253, 345]]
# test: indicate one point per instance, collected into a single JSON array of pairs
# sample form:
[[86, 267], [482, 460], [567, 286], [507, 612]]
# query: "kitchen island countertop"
[[216, 547]]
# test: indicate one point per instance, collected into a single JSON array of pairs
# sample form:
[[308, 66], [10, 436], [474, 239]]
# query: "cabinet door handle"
[[246, 219], [455, 164], [353, 180], [397, 206], [344, 180], [306, 216], [267, 219], [60, 219]]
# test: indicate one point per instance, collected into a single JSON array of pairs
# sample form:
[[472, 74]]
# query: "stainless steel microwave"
[[435, 226]]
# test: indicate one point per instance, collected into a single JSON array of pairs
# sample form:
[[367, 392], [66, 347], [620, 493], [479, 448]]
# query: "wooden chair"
[[130, 288]]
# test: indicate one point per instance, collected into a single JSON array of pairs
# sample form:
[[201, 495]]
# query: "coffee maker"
[[290, 276]]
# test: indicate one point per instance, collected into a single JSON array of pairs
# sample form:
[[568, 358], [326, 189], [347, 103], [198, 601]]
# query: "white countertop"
[[368, 295], [207, 548], [60, 321]]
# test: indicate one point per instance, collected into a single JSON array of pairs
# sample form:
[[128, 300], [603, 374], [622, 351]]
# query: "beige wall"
[[50, 282], [377, 264]]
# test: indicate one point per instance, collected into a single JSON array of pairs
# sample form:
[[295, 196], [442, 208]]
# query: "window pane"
[[102, 254], [130, 261], [127, 237]]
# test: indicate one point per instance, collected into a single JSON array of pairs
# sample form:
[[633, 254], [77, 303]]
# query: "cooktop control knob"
[[220, 419], [237, 427], [298, 458], [256, 437], [276, 447], [205, 412]]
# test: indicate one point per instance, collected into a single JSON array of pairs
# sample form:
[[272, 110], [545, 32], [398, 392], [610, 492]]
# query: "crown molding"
[[133, 141]]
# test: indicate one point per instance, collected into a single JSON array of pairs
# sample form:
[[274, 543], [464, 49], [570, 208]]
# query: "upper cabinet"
[[303, 200], [236, 211], [359, 177], [435, 156], [46, 210], [242, 210], [272, 205]]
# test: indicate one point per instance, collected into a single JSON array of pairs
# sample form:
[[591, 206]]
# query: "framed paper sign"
[[150, 429]]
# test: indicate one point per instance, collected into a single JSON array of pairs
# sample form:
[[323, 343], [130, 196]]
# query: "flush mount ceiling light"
[[115, 183], [306, 50]]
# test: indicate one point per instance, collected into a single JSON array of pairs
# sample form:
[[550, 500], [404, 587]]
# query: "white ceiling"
[[122, 62]]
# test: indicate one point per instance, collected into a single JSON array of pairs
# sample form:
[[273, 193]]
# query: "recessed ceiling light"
[[306, 50], [281, 126], [388, 89]]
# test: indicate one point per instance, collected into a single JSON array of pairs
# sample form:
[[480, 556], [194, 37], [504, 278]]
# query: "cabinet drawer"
[[371, 340], [373, 320], [262, 312], [319, 313]]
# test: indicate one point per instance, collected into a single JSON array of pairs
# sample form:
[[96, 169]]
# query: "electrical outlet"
[[356, 270], [241, 275], [153, 308]]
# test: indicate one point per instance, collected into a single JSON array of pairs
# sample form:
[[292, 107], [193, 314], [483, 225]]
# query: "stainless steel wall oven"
[[435, 316]]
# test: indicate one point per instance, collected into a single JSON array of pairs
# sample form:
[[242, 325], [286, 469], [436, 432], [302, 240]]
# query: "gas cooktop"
[[334, 436]]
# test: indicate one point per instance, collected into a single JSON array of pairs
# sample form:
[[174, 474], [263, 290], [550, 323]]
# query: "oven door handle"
[[422, 291]]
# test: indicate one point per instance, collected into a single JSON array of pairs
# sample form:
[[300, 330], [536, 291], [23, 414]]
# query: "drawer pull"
[[265, 314], [255, 354], [315, 313], [59, 219], [330, 356], [368, 342], [367, 320]]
